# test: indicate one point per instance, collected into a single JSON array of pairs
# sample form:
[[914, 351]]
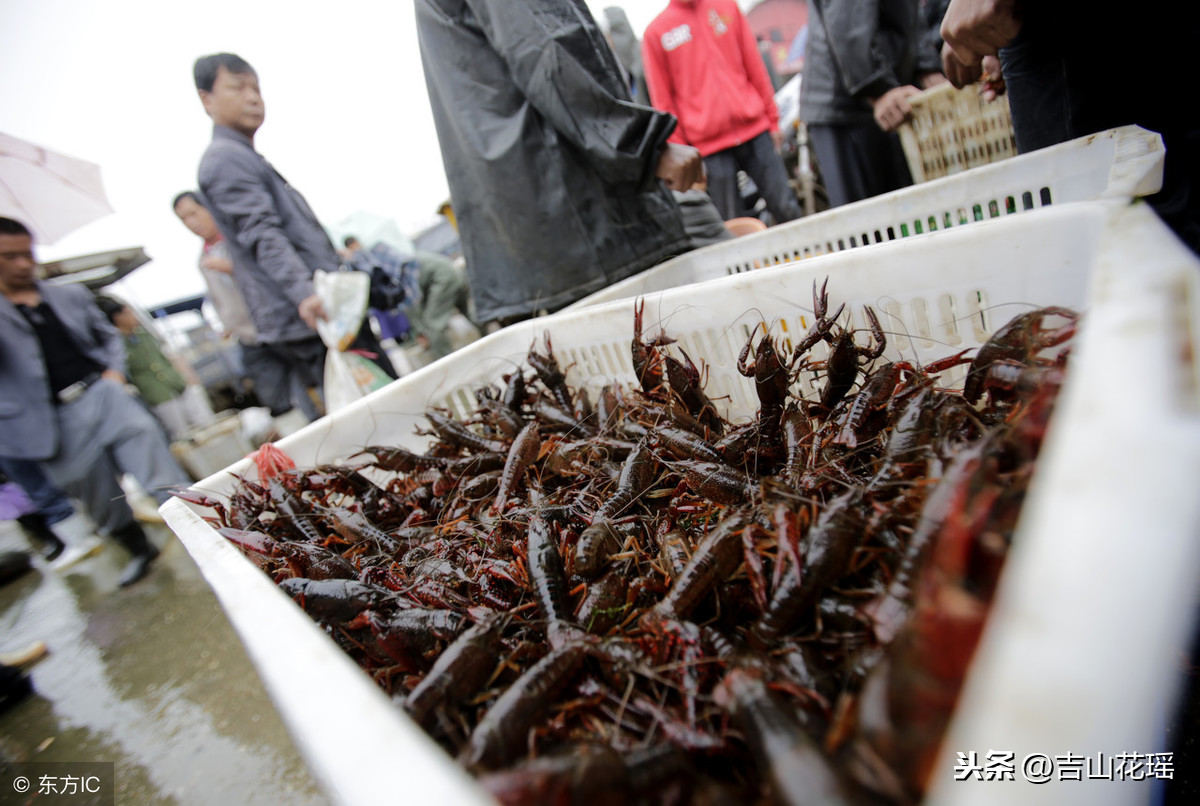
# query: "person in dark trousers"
[[560, 182], [864, 60], [703, 65], [63, 401], [1077, 67], [275, 241]]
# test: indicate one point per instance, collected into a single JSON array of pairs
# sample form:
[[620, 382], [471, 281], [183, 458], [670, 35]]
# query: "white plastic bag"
[[344, 296], [349, 376]]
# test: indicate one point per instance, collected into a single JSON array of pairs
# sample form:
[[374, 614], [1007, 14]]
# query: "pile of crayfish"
[[635, 599]]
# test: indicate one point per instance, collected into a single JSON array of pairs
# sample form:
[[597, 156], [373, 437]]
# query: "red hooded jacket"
[[702, 65]]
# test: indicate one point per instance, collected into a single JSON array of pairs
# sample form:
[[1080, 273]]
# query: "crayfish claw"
[[821, 302]]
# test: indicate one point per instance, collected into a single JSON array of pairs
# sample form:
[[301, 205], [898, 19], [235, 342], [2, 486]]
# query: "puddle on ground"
[[152, 677]]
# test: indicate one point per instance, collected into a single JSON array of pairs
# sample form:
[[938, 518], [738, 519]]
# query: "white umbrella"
[[50, 193]]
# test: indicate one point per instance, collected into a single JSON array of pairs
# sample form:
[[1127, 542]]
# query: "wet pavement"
[[151, 677]]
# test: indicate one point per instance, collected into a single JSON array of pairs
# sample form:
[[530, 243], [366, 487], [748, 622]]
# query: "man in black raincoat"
[[553, 171]]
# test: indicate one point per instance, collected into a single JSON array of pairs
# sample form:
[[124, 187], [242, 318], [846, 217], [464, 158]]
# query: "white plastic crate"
[[1119, 163], [1108, 537]]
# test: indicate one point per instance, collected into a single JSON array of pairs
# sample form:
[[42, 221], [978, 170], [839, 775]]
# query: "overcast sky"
[[348, 120]]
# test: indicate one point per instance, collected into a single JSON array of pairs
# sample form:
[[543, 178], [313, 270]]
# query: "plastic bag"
[[349, 376], [271, 461], [14, 502], [344, 296]]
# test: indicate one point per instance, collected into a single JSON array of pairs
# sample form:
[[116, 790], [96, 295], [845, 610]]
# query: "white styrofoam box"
[[208, 449], [1125, 162], [1129, 408]]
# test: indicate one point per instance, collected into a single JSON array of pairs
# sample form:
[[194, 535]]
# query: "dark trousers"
[[284, 371], [103, 435], [367, 342], [1054, 97], [858, 161], [1039, 95], [278, 368], [762, 163]]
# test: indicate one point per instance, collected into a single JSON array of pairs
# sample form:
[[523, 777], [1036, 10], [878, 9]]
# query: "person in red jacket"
[[702, 65]]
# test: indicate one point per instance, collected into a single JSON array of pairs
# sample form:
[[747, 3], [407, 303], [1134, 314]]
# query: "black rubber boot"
[[13, 564], [35, 525], [136, 543], [14, 687]]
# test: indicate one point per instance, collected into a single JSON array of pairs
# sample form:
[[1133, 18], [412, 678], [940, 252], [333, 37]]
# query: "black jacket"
[[859, 49], [549, 162]]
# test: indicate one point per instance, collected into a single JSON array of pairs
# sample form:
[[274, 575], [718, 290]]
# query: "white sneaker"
[[78, 535], [77, 553]]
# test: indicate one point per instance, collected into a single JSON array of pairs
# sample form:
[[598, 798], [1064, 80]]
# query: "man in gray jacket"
[[63, 401], [275, 240], [864, 59]]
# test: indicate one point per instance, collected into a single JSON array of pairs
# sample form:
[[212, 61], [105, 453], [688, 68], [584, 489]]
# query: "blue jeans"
[[762, 163], [1060, 89], [51, 502], [1055, 96], [1039, 93]]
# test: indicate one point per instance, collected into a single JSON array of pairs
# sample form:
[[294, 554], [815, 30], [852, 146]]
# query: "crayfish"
[[646, 602]]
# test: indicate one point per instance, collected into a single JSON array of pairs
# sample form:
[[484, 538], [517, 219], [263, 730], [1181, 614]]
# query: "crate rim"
[[1135, 169]]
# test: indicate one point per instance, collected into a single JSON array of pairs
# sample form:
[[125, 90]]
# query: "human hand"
[[891, 109], [973, 29], [959, 74], [312, 311], [679, 166], [992, 78], [113, 375], [777, 138], [932, 79], [423, 340], [214, 263]]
